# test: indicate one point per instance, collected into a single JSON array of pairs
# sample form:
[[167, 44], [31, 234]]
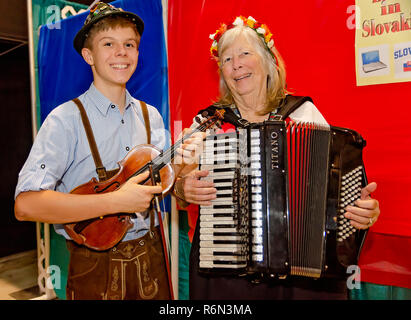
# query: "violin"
[[105, 232]]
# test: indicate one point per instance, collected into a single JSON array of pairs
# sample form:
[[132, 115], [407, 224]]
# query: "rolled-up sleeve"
[[49, 156]]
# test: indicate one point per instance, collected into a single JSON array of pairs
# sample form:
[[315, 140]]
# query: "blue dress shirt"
[[60, 158]]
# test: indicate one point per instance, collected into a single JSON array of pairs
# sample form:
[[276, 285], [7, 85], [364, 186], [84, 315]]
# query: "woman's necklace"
[[268, 116]]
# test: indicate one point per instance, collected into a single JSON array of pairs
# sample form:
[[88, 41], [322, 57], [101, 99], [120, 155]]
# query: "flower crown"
[[261, 30]]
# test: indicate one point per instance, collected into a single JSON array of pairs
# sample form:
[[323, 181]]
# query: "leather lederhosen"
[[132, 270]]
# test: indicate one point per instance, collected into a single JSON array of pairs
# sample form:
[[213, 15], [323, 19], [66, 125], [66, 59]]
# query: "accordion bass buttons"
[[350, 191]]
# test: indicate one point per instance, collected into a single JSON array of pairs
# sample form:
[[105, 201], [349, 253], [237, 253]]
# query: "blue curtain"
[[64, 75]]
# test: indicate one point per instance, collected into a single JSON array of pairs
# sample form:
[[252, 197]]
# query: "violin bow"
[[156, 204]]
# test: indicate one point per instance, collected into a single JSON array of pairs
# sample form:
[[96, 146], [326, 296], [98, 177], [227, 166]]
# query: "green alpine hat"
[[100, 11]]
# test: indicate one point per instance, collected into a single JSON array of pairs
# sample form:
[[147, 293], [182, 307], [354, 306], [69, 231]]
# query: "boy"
[[60, 160]]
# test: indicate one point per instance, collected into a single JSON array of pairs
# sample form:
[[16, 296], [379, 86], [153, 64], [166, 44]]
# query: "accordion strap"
[[289, 105]]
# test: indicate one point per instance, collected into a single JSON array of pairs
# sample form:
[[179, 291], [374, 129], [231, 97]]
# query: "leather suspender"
[[100, 169], [146, 120]]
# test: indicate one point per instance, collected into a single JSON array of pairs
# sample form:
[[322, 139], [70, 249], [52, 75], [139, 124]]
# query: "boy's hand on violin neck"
[[190, 149], [133, 196]]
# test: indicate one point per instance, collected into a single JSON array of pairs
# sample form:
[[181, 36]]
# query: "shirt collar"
[[129, 100], [102, 103]]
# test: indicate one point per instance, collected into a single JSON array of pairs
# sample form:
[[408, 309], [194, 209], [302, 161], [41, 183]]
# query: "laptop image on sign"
[[371, 61]]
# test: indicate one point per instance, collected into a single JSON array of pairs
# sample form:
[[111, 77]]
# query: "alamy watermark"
[[354, 280], [53, 277], [55, 14]]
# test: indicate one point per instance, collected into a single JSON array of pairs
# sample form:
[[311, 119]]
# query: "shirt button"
[[127, 148], [112, 106], [43, 166], [122, 121]]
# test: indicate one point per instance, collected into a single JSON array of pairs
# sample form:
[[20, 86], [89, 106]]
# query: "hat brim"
[[81, 36]]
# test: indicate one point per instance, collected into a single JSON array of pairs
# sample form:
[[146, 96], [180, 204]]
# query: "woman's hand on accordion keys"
[[193, 190], [366, 210]]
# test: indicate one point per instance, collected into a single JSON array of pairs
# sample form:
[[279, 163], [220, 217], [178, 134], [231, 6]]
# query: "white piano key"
[[222, 175], [210, 154], [254, 142], [234, 250], [222, 258], [209, 210], [224, 192], [230, 147], [211, 231], [207, 237], [210, 264], [221, 147], [211, 244], [221, 158], [228, 176], [255, 165], [223, 184], [211, 224], [255, 150], [254, 133], [211, 218], [221, 139], [212, 167], [222, 201]]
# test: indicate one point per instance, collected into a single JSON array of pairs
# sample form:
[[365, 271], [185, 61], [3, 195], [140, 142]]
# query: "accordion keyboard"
[[221, 244]]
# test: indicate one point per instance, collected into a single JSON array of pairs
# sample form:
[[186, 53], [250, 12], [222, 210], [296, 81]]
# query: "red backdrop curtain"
[[317, 42]]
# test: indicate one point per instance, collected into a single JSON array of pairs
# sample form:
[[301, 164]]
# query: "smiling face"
[[113, 56], [243, 71]]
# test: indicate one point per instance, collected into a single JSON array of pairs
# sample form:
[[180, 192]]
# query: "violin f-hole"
[[97, 188]]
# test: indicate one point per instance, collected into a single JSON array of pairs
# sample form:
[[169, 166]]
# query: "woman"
[[252, 83]]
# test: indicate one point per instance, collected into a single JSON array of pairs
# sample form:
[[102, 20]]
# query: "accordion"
[[281, 192]]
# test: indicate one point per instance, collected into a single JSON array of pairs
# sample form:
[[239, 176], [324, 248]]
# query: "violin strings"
[[158, 162], [169, 152]]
